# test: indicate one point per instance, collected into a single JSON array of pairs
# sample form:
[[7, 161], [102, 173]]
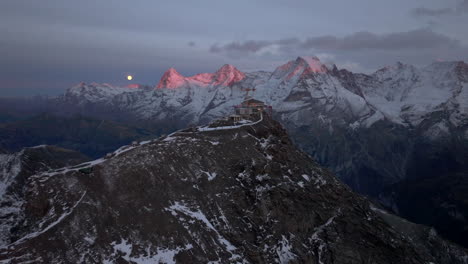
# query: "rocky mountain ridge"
[[240, 194]]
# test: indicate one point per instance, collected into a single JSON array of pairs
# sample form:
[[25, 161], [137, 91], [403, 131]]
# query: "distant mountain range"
[[402, 94], [381, 133]]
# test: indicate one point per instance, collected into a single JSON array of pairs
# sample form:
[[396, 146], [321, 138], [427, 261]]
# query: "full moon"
[[129, 77]]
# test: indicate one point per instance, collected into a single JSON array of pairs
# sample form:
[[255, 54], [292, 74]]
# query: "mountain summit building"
[[250, 109]]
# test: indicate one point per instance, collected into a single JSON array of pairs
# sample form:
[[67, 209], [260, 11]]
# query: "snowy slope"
[[96, 93], [407, 94]]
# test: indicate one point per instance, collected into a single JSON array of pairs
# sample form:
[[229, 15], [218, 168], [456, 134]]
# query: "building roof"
[[252, 101]]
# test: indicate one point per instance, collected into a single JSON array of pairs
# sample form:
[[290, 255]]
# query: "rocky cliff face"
[[15, 170], [240, 194]]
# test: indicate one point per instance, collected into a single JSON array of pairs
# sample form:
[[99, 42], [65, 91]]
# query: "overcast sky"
[[49, 45]]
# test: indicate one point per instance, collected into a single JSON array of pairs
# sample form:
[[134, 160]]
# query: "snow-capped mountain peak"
[[227, 75], [95, 85], [79, 85], [300, 67], [313, 64], [408, 94], [171, 79], [83, 86], [394, 68], [83, 93]]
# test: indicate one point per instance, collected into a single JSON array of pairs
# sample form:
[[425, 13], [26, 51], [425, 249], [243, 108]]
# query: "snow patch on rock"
[[181, 208], [160, 255], [284, 251]]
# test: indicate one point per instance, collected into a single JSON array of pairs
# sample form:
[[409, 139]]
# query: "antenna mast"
[[247, 92]]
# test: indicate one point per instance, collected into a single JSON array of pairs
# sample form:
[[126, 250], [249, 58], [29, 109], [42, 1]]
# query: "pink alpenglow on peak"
[[314, 64], [300, 67], [225, 76], [171, 79], [203, 78], [79, 85], [133, 86], [228, 75]]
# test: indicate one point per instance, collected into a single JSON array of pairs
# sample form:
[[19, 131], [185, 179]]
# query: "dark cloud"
[[463, 7], [415, 39], [409, 40], [423, 12], [191, 44], [288, 41], [459, 9], [250, 46]]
